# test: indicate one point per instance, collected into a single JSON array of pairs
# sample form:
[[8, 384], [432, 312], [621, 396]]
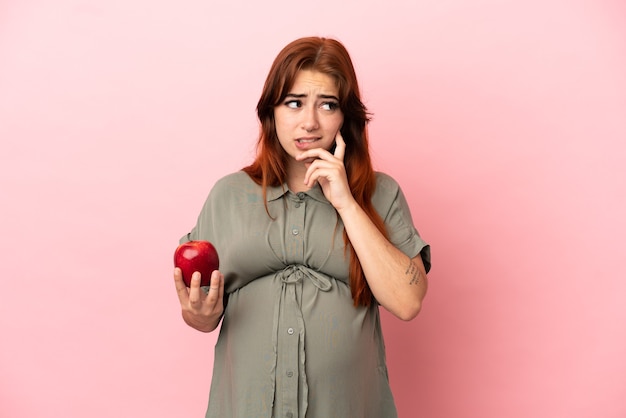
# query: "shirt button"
[[289, 414], [295, 231], [289, 373], [301, 195], [297, 205], [290, 331]]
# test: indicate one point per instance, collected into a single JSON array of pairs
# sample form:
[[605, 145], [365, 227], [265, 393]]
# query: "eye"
[[293, 104], [330, 106]]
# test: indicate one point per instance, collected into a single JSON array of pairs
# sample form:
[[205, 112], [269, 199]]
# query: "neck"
[[295, 177]]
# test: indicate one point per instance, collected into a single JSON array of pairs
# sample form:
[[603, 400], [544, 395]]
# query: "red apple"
[[196, 256]]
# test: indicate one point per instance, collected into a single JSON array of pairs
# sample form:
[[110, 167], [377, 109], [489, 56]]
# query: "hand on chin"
[[308, 161]]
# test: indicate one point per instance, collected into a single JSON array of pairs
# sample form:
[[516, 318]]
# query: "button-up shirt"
[[292, 344]]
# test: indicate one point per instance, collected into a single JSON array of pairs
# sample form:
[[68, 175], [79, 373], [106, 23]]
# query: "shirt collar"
[[315, 192]]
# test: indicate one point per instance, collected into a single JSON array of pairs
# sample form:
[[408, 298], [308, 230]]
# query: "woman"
[[311, 241]]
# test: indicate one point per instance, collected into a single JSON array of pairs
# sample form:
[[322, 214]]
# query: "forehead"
[[314, 81]]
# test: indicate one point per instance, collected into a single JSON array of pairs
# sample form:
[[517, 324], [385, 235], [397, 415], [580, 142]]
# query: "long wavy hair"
[[330, 57]]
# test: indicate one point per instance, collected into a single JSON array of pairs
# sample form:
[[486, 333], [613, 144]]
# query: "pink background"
[[504, 121]]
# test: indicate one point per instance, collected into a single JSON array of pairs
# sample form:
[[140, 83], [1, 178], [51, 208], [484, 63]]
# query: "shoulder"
[[387, 188], [236, 188], [238, 177], [387, 195], [385, 181], [232, 182]]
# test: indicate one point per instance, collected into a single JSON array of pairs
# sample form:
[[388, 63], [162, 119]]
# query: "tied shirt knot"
[[296, 273]]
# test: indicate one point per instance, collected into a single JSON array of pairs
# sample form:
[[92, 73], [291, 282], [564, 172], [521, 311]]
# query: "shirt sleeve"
[[204, 229], [391, 204]]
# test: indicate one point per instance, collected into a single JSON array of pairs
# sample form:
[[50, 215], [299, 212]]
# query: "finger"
[[320, 174], [215, 282], [340, 147], [195, 292], [310, 169], [320, 169], [311, 155], [313, 172], [220, 292], [216, 290], [181, 287]]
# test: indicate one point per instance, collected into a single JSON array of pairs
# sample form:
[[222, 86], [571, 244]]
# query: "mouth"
[[306, 140], [305, 143]]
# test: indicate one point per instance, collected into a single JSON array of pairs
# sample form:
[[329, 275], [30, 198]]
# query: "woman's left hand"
[[328, 170]]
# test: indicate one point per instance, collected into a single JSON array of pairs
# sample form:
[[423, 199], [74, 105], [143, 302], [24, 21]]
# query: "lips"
[[304, 143], [307, 140]]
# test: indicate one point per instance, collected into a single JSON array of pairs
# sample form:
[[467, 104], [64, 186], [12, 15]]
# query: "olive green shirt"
[[291, 343]]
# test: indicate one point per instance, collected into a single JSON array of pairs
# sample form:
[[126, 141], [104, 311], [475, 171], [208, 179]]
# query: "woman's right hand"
[[201, 310]]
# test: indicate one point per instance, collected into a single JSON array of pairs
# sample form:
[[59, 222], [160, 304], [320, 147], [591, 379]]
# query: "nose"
[[309, 119]]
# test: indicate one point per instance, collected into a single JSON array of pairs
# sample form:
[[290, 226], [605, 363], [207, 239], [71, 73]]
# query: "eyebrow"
[[321, 96]]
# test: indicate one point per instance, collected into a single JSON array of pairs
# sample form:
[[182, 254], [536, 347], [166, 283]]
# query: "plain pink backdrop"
[[504, 121]]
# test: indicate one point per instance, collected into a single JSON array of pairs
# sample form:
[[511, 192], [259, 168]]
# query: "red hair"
[[329, 57]]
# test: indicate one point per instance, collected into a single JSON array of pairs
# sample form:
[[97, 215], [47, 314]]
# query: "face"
[[309, 117]]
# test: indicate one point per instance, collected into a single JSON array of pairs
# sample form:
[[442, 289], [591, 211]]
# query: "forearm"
[[397, 282]]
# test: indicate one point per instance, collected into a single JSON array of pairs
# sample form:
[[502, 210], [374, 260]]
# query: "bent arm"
[[398, 282]]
